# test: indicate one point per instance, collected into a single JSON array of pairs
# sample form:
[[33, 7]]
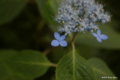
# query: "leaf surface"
[[5, 71], [74, 67], [41, 6], [9, 9], [27, 64], [101, 69]]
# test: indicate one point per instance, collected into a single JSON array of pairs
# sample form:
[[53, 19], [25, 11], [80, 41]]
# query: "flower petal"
[[94, 34], [104, 37], [62, 37], [55, 43], [57, 35], [63, 43], [99, 40], [98, 32]]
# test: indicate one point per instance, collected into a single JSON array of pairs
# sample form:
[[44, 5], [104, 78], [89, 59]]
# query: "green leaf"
[[41, 6], [113, 41], [74, 67], [5, 72], [51, 10], [28, 64], [4, 54], [101, 69], [85, 51], [9, 9]]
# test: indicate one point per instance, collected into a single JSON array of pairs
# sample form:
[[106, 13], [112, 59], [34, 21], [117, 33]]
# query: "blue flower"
[[80, 13], [100, 36], [59, 40]]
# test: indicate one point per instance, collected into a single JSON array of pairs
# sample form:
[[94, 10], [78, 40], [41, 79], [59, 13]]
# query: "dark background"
[[32, 27]]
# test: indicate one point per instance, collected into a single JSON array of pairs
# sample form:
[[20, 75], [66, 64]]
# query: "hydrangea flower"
[[100, 36], [59, 40], [80, 16]]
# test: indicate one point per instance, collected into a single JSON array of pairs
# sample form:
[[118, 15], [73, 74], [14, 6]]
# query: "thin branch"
[[47, 51], [53, 65]]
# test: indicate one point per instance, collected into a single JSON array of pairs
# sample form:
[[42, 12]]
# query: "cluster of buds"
[[80, 16]]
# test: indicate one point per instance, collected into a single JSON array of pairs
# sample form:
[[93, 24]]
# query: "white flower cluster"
[[80, 15]]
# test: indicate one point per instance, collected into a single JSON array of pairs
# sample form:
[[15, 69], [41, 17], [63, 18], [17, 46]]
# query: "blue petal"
[[57, 35], [63, 43], [94, 34], [62, 37], [99, 40], [98, 32], [104, 37], [55, 43]]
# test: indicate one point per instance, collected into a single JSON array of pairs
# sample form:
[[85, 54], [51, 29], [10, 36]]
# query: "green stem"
[[73, 47], [72, 40], [53, 65]]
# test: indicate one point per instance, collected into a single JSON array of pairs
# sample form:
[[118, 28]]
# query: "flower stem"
[[53, 65], [72, 40], [73, 47]]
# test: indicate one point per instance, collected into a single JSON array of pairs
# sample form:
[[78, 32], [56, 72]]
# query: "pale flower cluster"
[[80, 16]]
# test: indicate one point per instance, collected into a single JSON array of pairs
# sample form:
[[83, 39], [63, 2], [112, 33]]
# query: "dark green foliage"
[[100, 68], [74, 68], [29, 24], [26, 64]]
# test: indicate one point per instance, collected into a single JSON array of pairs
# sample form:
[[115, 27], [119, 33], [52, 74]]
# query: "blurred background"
[[29, 24]]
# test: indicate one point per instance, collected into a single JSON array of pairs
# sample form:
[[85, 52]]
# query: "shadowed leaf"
[[9, 9], [101, 69]]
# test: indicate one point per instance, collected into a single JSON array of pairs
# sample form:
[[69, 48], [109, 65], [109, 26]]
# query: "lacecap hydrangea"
[[80, 16]]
